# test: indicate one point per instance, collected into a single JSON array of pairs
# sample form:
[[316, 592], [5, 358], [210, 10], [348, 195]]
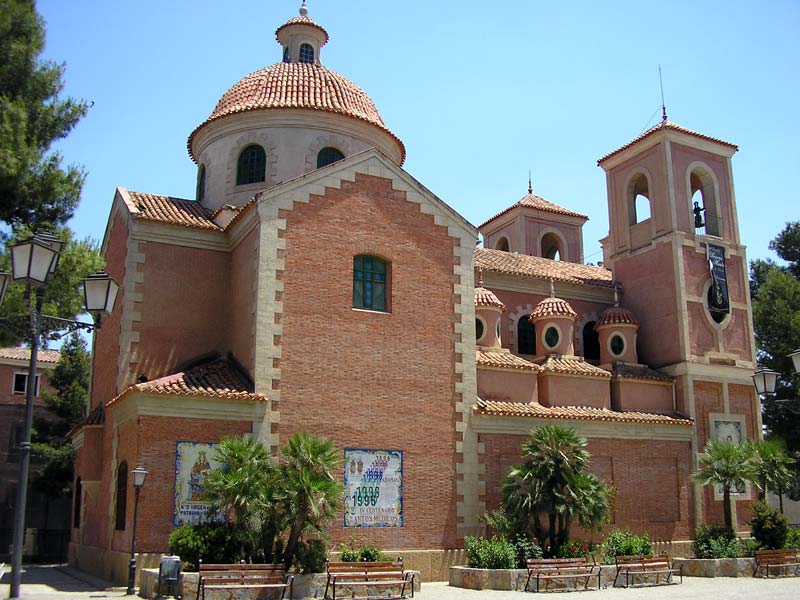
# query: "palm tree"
[[243, 488], [309, 490], [771, 468], [554, 483], [727, 464]]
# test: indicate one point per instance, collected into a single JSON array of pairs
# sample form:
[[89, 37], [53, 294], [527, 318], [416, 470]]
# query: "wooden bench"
[[367, 577], [656, 566], [548, 570], [242, 576], [779, 560]]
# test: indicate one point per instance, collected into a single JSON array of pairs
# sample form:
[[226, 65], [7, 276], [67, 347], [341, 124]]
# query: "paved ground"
[[64, 583]]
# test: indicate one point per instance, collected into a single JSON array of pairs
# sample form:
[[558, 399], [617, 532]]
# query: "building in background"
[[46, 519], [314, 285]]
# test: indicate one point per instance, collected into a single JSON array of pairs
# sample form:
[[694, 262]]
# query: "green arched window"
[[328, 156], [252, 165], [370, 282]]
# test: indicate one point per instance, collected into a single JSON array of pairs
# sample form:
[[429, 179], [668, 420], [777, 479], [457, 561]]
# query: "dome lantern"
[[301, 39]]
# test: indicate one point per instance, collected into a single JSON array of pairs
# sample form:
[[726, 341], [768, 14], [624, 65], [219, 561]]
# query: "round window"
[[551, 337], [617, 344], [478, 329]]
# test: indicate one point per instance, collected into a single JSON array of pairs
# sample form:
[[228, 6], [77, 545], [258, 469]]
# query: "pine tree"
[[66, 409], [35, 189]]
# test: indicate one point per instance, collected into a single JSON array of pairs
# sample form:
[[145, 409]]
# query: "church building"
[[314, 285]]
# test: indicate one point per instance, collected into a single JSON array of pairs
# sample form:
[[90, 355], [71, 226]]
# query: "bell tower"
[[674, 245]]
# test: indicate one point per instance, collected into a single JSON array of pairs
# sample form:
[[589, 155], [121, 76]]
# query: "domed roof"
[[293, 85], [303, 19], [616, 315], [553, 307], [484, 297]]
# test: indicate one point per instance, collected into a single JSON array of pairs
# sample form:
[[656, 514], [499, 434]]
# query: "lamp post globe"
[[765, 381]]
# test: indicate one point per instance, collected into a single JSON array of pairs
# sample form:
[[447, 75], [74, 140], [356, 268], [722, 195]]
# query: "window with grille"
[[251, 166], [370, 279]]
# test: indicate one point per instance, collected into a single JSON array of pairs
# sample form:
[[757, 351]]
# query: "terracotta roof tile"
[[174, 211], [572, 365], [539, 203], [664, 126], [503, 360], [303, 20], [616, 315], [553, 307], [484, 297], [580, 413], [541, 268], [218, 378], [43, 356], [627, 371], [297, 86]]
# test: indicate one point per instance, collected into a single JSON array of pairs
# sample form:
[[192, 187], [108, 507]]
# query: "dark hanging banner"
[[718, 299]]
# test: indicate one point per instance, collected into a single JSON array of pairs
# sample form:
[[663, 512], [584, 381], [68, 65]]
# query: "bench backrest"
[[651, 560], [776, 555], [222, 573], [372, 570], [550, 563]]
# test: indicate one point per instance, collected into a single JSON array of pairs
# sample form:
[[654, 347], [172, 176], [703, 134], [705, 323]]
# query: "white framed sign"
[[192, 461], [373, 481]]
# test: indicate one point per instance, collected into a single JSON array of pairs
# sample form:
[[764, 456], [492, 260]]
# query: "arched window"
[[251, 166], [502, 244], [76, 514], [370, 283], [591, 342], [201, 183], [703, 193], [122, 496], [306, 54], [526, 336], [328, 156], [286, 54], [639, 208], [552, 247]]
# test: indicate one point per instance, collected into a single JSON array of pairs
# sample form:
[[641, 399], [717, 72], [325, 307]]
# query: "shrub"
[[748, 548], [621, 542], [496, 553], [211, 542], [355, 551], [574, 549], [526, 549], [793, 539], [310, 556], [715, 542], [769, 527]]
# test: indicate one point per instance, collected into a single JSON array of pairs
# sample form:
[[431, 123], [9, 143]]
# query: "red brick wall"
[[184, 308], [367, 379], [106, 339], [651, 477], [241, 303]]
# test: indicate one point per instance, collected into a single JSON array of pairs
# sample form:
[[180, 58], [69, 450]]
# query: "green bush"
[[793, 539], [211, 542], [310, 556], [621, 542], [769, 526], [748, 548], [526, 549], [353, 551], [496, 553], [715, 542]]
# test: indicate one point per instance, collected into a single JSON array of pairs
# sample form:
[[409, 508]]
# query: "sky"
[[480, 92]]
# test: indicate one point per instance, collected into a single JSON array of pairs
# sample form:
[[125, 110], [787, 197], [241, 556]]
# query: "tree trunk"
[[291, 544], [726, 501], [552, 532]]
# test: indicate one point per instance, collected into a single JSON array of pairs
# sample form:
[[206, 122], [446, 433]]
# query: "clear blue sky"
[[480, 92]]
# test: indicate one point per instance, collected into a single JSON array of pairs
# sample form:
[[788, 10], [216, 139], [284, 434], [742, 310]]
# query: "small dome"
[[553, 307], [616, 315], [484, 297], [301, 20]]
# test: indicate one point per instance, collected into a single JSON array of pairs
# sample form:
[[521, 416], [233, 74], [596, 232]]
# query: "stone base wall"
[[109, 565], [716, 567]]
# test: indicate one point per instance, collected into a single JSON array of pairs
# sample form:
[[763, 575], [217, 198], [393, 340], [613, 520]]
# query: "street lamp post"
[[139, 475], [765, 381], [33, 261]]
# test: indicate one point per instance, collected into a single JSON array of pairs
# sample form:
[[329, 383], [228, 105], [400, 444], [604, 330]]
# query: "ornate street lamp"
[[139, 474], [33, 261], [795, 356], [765, 381]]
